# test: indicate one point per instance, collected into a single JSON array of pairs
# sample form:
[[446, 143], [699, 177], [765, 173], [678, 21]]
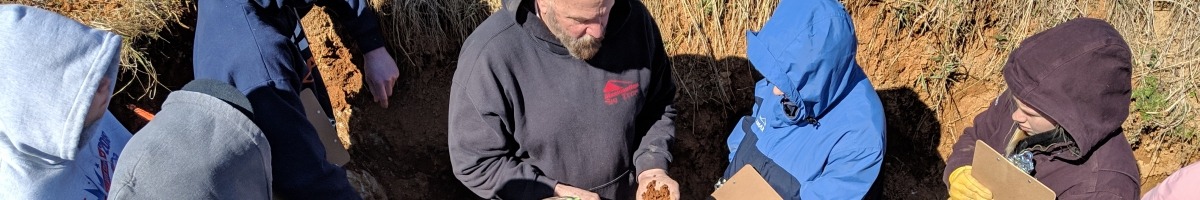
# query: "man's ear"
[[541, 7]]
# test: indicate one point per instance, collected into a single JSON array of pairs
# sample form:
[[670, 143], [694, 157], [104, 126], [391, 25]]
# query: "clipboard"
[[746, 184], [1004, 179], [334, 152]]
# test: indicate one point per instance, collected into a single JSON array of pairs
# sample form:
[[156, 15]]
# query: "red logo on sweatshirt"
[[619, 88]]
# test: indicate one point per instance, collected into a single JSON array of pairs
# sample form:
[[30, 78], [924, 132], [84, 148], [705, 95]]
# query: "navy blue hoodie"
[[525, 115], [258, 47]]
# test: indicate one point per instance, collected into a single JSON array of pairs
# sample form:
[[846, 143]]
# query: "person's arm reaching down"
[[656, 125], [957, 174], [359, 20], [361, 24]]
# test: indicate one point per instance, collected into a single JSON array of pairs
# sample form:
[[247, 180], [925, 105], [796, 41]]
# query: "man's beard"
[[582, 48]]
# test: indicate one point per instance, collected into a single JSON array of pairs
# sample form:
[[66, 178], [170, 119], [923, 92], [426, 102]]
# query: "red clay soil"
[[661, 193]]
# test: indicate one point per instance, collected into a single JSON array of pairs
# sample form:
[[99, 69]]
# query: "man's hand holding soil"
[[659, 178]]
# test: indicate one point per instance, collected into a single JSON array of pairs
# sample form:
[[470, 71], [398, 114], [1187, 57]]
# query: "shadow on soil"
[[912, 168], [404, 146]]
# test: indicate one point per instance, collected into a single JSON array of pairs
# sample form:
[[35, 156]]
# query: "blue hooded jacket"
[[825, 140]]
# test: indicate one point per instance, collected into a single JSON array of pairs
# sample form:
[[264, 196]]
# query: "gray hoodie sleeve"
[[481, 138], [656, 121]]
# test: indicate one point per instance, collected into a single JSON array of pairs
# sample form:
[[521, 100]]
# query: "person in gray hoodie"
[[57, 140], [563, 98], [202, 145]]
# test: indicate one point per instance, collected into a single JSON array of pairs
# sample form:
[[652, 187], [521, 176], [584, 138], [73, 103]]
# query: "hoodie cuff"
[[951, 165], [367, 32], [541, 192], [649, 161], [369, 40]]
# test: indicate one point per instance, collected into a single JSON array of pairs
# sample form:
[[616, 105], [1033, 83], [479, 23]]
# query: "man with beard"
[[569, 98]]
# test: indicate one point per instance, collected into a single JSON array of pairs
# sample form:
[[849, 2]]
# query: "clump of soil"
[[662, 193]]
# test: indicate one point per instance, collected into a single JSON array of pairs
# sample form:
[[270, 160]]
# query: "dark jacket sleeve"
[[1110, 185], [656, 121], [991, 126], [356, 17], [481, 139]]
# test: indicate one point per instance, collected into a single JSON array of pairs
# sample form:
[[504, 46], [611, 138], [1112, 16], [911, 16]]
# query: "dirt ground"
[[400, 152]]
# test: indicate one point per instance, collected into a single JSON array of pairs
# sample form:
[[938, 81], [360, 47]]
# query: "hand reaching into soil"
[[656, 178], [381, 74], [568, 191]]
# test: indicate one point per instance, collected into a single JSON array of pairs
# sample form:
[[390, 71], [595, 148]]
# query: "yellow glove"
[[964, 186]]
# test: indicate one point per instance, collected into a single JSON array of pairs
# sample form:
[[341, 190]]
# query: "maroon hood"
[[1078, 75]]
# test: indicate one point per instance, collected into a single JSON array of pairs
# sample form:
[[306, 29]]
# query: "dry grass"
[[133, 20], [416, 29], [713, 29]]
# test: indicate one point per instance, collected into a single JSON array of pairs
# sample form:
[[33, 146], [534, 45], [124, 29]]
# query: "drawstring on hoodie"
[[791, 109], [812, 120]]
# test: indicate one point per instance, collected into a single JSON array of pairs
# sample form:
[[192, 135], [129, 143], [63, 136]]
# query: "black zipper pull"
[[812, 120]]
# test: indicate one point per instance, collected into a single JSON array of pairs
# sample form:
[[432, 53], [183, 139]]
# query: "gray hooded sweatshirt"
[[50, 69], [202, 145], [525, 116]]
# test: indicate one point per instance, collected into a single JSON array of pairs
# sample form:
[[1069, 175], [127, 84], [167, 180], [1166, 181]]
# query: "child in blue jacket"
[[817, 128]]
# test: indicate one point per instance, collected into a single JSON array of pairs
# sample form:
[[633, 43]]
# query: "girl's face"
[[1029, 120]]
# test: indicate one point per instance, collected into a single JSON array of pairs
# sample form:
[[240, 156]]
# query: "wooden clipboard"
[[1004, 179], [746, 184], [334, 152]]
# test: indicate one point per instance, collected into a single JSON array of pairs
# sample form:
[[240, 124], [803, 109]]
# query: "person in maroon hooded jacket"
[[1060, 119]]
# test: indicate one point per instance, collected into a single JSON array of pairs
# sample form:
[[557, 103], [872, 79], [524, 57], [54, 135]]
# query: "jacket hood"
[[202, 135], [806, 49], [1078, 75], [50, 68]]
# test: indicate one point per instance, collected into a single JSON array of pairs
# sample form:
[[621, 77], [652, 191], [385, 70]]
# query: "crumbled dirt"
[[661, 193]]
